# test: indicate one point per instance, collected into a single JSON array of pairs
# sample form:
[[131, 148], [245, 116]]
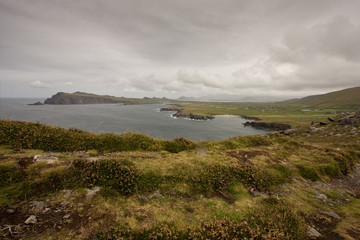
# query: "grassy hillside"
[[347, 98], [134, 187]]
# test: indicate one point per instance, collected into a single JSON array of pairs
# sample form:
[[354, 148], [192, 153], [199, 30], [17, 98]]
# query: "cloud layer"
[[174, 48]]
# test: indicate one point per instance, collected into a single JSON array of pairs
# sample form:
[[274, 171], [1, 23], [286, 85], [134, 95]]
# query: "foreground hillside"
[[68, 184]]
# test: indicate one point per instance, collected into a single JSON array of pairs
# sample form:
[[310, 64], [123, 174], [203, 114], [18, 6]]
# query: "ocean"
[[116, 118]]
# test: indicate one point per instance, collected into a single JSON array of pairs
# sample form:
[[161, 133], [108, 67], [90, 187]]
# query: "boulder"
[[321, 196], [46, 159], [37, 205], [31, 220], [331, 214], [313, 233]]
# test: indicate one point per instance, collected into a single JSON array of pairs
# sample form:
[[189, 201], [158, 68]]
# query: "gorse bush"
[[271, 221], [212, 178], [179, 144], [220, 177], [119, 175], [29, 135]]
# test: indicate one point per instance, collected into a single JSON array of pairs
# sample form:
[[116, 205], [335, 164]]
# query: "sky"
[[168, 48]]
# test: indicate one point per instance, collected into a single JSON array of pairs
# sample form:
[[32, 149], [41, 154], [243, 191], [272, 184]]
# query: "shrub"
[[27, 135], [178, 145], [9, 173], [119, 175], [212, 178], [273, 220]]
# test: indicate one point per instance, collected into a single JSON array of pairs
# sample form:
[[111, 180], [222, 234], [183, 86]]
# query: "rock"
[[47, 210], [331, 119], [143, 198], [312, 232], [10, 211], [92, 159], [46, 159], [182, 114], [268, 126], [90, 193], [321, 197], [66, 216], [288, 132], [64, 203], [157, 194], [330, 214], [37, 205], [69, 193], [53, 197], [37, 103], [258, 194], [31, 220]]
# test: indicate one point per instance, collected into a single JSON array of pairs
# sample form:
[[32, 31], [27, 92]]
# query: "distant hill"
[[89, 98], [346, 98], [233, 98]]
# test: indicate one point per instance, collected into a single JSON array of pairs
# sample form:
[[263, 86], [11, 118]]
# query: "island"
[[181, 113]]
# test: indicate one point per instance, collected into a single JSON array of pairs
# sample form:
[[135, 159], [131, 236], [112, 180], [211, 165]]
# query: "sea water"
[[117, 118]]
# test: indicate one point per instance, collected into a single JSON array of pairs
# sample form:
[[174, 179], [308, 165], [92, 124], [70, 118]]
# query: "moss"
[[10, 173], [308, 173]]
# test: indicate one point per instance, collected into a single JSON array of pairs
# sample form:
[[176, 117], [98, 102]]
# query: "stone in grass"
[[313, 233], [65, 203], [37, 205], [90, 193], [92, 159], [31, 220], [322, 196], [331, 214], [46, 159], [10, 211], [66, 216]]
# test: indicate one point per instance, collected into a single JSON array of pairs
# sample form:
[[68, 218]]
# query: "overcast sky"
[[171, 48]]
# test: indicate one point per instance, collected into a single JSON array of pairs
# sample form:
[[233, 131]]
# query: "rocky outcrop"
[[180, 113], [350, 119], [268, 126], [37, 103]]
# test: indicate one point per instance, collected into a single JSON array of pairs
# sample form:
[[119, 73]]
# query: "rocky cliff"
[[81, 98]]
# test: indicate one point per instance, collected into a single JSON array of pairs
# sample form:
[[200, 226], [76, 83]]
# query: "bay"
[[116, 118]]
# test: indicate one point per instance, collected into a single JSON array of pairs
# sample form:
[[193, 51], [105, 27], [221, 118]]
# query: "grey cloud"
[[145, 46], [323, 56]]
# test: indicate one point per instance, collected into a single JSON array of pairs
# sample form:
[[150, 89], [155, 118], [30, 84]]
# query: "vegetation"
[[270, 186]]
